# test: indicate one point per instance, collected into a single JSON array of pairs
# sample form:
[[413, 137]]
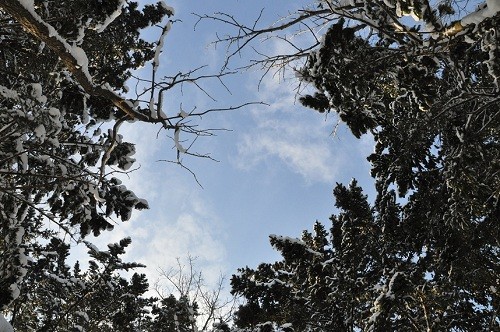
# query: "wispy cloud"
[[311, 160], [284, 133], [174, 231], [181, 221], [188, 235]]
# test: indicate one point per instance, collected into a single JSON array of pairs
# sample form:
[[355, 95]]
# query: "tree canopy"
[[422, 79], [63, 96], [52, 110], [364, 274]]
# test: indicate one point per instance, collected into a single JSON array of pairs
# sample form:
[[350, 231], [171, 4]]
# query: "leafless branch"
[[245, 35], [184, 280]]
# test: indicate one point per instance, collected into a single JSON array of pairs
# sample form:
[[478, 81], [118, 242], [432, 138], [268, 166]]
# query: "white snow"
[[159, 46], [95, 192], [36, 92], [92, 247], [81, 34], [390, 293], [4, 325], [142, 201], [152, 108], [54, 112], [14, 290], [493, 5], [101, 27], [270, 283], [83, 315], [76, 52], [8, 93], [81, 58], [183, 114], [168, 8], [491, 9], [85, 114], [344, 3], [78, 328], [389, 3], [41, 47], [40, 132], [178, 145], [64, 169], [128, 164], [287, 239], [28, 4], [23, 157]]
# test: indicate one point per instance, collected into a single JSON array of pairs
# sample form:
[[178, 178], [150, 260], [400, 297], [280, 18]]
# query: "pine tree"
[[431, 104], [64, 65], [364, 274], [49, 120], [422, 79], [56, 297]]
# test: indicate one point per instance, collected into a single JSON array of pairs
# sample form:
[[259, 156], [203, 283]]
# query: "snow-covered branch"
[[61, 69], [73, 57], [4, 325]]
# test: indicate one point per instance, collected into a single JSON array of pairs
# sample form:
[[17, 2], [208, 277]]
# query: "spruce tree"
[[422, 79], [52, 153], [64, 67]]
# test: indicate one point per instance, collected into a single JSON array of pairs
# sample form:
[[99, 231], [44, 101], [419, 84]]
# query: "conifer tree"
[[422, 79], [365, 275], [63, 69], [52, 107]]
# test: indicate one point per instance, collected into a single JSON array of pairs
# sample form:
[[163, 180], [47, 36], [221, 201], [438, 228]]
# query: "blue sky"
[[277, 165]]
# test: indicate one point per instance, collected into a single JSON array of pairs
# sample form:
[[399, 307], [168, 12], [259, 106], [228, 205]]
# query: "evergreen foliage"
[[56, 297], [62, 66], [50, 129], [424, 255], [365, 274]]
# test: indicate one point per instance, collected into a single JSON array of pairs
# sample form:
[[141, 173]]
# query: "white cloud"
[[192, 230], [313, 161], [181, 221], [180, 230], [188, 235], [283, 132]]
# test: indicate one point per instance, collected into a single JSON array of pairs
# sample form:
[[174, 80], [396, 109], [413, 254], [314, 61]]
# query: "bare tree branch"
[[184, 280]]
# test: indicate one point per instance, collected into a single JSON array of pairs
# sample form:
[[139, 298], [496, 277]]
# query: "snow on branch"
[[101, 27], [4, 325], [487, 10], [380, 19], [75, 60], [73, 57]]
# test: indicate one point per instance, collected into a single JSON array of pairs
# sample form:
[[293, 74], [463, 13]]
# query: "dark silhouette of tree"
[[422, 79], [64, 65]]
